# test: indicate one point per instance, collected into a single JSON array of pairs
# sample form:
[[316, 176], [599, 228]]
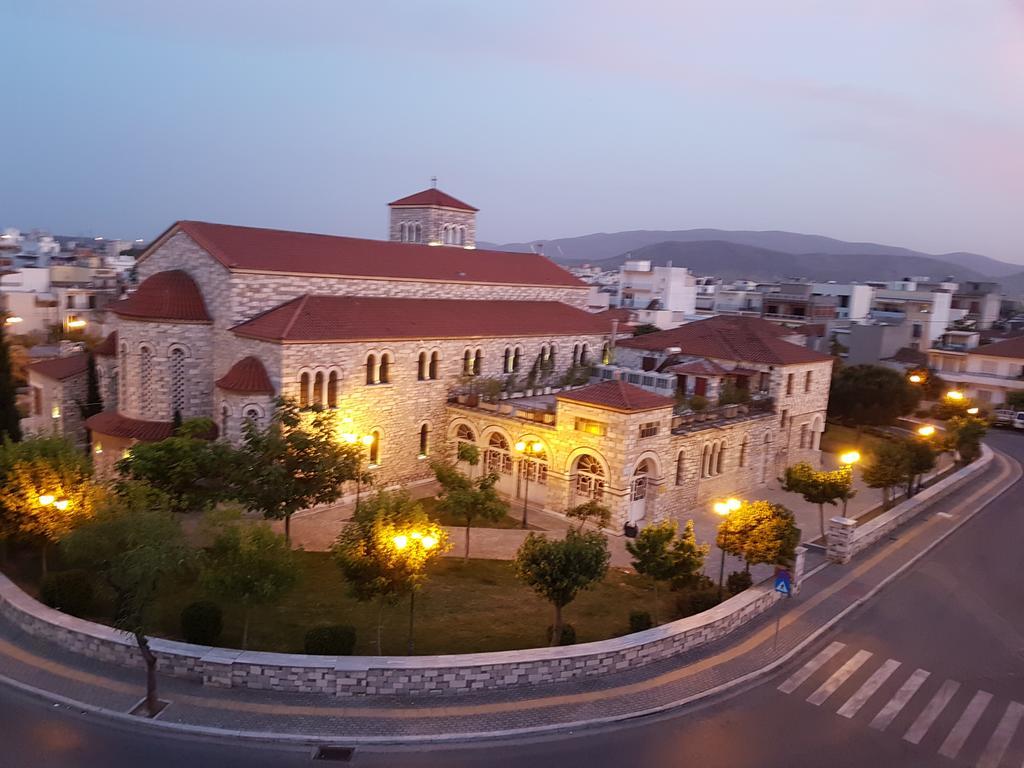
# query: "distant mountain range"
[[771, 255]]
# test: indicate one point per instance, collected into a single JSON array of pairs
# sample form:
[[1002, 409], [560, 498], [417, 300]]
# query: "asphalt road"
[[930, 673]]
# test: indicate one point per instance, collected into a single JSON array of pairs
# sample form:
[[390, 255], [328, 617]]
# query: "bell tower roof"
[[432, 197]]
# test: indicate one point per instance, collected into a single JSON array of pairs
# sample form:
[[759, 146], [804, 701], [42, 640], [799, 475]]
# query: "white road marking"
[[870, 687], [800, 676], [839, 677], [899, 700], [1002, 736], [931, 712], [955, 740], [943, 514]]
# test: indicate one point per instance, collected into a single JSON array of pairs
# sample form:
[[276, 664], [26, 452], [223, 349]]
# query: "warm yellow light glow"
[[46, 499], [926, 431], [367, 439], [13, 319], [416, 535], [954, 394], [973, 410], [520, 446], [55, 411], [76, 323], [400, 541], [733, 504], [98, 448], [725, 507], [347, 420], [429, 542], [348, 437], [850, 457], [61, 504], [537, 447], [915, 378]]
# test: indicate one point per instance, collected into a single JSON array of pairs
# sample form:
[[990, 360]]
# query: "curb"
[[295, 740]]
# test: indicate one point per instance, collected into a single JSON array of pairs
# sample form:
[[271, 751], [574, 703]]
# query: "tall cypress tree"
[[93, 402], [10, 426]]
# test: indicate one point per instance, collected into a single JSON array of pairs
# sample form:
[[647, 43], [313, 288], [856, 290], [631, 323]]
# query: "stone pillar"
[[840, 539], [798, 568]]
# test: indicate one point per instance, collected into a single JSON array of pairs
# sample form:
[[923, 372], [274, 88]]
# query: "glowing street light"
[[61, 504], [400, 541], [367, 440], [955, 394], [849, 458], [973, 410], [723, 508], [527, 450], [915, 378], [46, 499], [13, 320], [926, 431], [76, 323]]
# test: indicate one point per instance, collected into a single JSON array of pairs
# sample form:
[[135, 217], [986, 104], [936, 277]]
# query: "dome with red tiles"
[[247, 376], [170, 296]]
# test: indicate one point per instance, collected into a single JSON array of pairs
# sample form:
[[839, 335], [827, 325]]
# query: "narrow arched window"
[[584, 355], [680, 468], [424, 439], [375, 448], [318, 388], [606, 354], [743, 453], [575, 354], [384, 376], [517, 360], [371, 369], [421, 366], [434, 361], [720, 459], [178, 381], [418, 236], [507, 366], [467, 362], [304, 390], [146, 380], [478, 362], [332, 390], [224, 413]]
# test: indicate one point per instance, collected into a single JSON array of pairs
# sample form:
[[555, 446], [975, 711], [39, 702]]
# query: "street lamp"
[[723, 508], [402, 542], [848, 459], [926, 431], [955, 395], [973, 410], [915, 378], [527, 449], [352, 438]]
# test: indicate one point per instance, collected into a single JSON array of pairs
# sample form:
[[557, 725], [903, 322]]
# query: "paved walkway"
[[828, 594]]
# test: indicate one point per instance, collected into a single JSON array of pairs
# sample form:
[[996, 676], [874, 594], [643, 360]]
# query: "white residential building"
[[663, 296]]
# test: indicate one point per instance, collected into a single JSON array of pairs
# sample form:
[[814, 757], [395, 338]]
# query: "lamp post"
[[367, 440], [527, 450], [926, 431], [426, 542], [848, 459], [723, 508]]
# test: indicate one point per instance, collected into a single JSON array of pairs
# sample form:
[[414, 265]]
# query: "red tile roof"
[[107, 347], [617, 395], [1009, 348], [701, 367], [360, 318], [114, 424], [274, 250], [624, 316], [60, 368], [172, 296], [433, 196], [730, 337], [247, 376]]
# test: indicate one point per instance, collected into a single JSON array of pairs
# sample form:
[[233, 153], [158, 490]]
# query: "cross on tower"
[[433, 182]]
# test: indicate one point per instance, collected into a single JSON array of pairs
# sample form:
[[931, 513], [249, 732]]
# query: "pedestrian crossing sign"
[[783, 583]]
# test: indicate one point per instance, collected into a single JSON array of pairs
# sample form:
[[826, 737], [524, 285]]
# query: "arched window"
[[224, 413], [462, 235], [304, 390], [421, 367], [424, 439], [178, 382], [252, 414], [371, 369], [705, 461], [575, 354], [507, 365], [606, 354], [332, 390], [589, 478], [803, 435], [497, 458], [467, 362], [418, 234], [146, 380], [743, 452], [720, 459], [638, 489], [434, 360], [584, 355], [401, 232], [375, 449], [536, 467], [517, 359], [680, 468], [463, 435], [318, 388], [478, 362], [384, 374]]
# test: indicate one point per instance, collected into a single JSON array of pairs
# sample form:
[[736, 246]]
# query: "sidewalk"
[[830, 593]]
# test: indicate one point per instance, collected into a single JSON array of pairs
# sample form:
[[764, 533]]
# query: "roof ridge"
[[295, 315]]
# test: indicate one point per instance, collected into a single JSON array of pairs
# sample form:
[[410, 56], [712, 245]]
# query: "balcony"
[[722, 416]]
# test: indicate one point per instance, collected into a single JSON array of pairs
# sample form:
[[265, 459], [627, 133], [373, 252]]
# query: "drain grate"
[[334, 754]]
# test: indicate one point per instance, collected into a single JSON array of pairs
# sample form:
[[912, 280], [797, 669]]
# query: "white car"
[[1009, 418]]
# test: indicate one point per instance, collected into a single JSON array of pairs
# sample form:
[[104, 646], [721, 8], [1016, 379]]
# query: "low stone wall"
[[391, 675], [846, 538]]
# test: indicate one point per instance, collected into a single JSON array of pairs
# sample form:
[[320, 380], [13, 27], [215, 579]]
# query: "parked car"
[[1009, 418]]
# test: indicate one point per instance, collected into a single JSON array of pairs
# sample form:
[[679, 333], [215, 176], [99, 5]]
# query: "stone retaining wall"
[[846, 538], [390, 675]]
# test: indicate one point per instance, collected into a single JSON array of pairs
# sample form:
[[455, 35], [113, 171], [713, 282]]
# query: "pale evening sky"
[[896, 121]]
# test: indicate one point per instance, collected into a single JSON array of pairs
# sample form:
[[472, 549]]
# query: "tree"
[[964, 436], [645, 328], [247, 564], [194, 473], [759, 532], [10, 418], [1015, 400], [661, 554], [295, 462], [886, 470], [47, 488], [819, 488], [919, 456], [383, 551], [468, 453], [468, 499], [871, 394], [591, 511], [557, 569], [134, 543], [93, 402]]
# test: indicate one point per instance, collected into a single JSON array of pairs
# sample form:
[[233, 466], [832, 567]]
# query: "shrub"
[[698, 402], [738, 581], [68, 591], [568, 634], [639, 621], [201, 623], [331, 640], [696, 602]]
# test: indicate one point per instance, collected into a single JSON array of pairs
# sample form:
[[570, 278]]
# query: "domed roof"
[[247, 376], [171, 296]]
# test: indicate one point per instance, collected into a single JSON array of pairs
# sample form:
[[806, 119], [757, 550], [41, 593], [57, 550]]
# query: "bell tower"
[[433, 217]]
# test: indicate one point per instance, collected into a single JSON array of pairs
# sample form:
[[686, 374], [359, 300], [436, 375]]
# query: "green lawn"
[[464, 608], [838, 438], [444, 518]]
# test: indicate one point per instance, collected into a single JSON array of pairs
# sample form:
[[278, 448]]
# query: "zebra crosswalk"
[[944, 711]]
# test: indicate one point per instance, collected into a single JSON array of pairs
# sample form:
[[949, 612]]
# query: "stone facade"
[[54, 407], [431, 222]]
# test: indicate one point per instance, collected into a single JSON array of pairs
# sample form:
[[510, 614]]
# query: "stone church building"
[[423, 341]]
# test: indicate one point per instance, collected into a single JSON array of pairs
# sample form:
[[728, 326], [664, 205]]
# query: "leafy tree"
[[759, 532], [295, 462], [468, 453], [47, 489], [887, 469], [964, 435], [194, 473], [1015, 400], [557, 569], [731, 394], [247, 564], [818, 487], [590, 511], [920, 457], [645, 328], [871, 394], [383, 551], [10, 418], [661, 554], [134, 543], [467, 498]]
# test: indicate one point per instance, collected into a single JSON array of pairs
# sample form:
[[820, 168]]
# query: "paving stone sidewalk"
[[826, 595]]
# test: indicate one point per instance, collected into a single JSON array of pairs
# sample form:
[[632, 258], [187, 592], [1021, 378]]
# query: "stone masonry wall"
[[432, 219]]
